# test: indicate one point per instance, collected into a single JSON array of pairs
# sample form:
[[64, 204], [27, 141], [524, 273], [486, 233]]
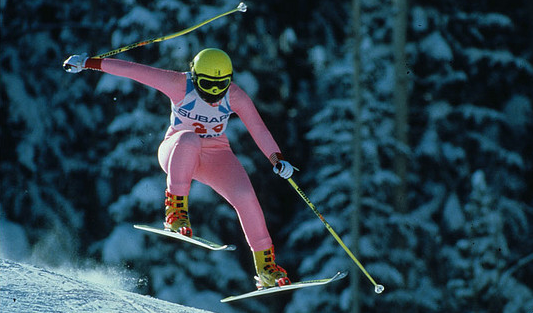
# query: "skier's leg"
[[179, 156], [222, 171]]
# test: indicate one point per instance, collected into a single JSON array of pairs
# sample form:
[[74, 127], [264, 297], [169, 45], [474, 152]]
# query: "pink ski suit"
[[195, 146]]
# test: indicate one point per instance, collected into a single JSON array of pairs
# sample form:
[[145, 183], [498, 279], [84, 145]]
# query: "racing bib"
[[192, 113]]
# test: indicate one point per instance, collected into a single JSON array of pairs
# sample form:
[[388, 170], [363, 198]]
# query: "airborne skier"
[[195, 146]]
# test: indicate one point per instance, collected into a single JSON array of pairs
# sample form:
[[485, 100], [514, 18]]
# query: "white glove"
[[284, 169], [75, 63]]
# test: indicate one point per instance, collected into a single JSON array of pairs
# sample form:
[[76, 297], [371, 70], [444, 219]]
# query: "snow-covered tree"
[[469, 76], [47, 158], [476, 263], [78, 161], [462, 131]]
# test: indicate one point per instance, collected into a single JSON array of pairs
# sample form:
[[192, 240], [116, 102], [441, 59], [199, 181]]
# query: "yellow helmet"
[[211, 73]]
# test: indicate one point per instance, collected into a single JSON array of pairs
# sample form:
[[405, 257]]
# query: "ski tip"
[[341, 274], [230, 248], [140, 226]]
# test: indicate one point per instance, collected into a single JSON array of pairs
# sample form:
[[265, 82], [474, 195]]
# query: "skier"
[[195, 146]]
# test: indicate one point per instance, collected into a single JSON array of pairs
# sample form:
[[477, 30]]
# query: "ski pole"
[[377, 288], [241, 7]]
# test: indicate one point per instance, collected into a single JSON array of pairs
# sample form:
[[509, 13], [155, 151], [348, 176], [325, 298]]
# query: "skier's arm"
[[245, 109], [162, 80]]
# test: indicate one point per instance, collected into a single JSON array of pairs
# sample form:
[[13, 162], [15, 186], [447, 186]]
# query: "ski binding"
[[194, 240], [293, 286]]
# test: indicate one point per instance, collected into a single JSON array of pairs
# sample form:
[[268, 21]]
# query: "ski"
[[194, 240], [293, 286]]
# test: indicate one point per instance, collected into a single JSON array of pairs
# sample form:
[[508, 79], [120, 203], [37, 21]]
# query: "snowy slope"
[[25, 288]]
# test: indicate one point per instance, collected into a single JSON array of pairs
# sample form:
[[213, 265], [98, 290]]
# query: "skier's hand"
[[284, 169], [75, 63]]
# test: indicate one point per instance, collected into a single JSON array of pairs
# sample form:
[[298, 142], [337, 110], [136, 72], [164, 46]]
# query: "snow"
[[453, 215], [488, 19], [479, 115], [26, 288], [419, 20], [287, 40], [436, 47], [497, 58], [248, 83], [147, 195], [318, 58], [386, 273], [110, 83], [140, 16], [439, 110], [78, 153], [124, 243], [453, 153], [519, 112], [429, 143], [385, 84], [177, 49], [14, 243], [26, 110]]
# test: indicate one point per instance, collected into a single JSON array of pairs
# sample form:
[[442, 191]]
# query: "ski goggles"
[[213, 85]]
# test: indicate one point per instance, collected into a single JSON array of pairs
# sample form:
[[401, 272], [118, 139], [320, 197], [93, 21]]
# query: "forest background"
[[441, 208]]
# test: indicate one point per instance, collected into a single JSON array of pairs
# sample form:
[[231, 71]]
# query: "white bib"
[[192, 113]]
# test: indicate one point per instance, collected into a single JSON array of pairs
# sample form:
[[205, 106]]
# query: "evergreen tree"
[[48, 158], [477, 278], [471, 75], [78, 161], [332, 160]]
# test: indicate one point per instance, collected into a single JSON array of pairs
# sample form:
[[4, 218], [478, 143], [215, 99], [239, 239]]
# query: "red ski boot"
[[177, 214]]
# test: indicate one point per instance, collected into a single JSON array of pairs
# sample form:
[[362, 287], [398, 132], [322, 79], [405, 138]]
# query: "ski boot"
[[268, 272], [177, 214]]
